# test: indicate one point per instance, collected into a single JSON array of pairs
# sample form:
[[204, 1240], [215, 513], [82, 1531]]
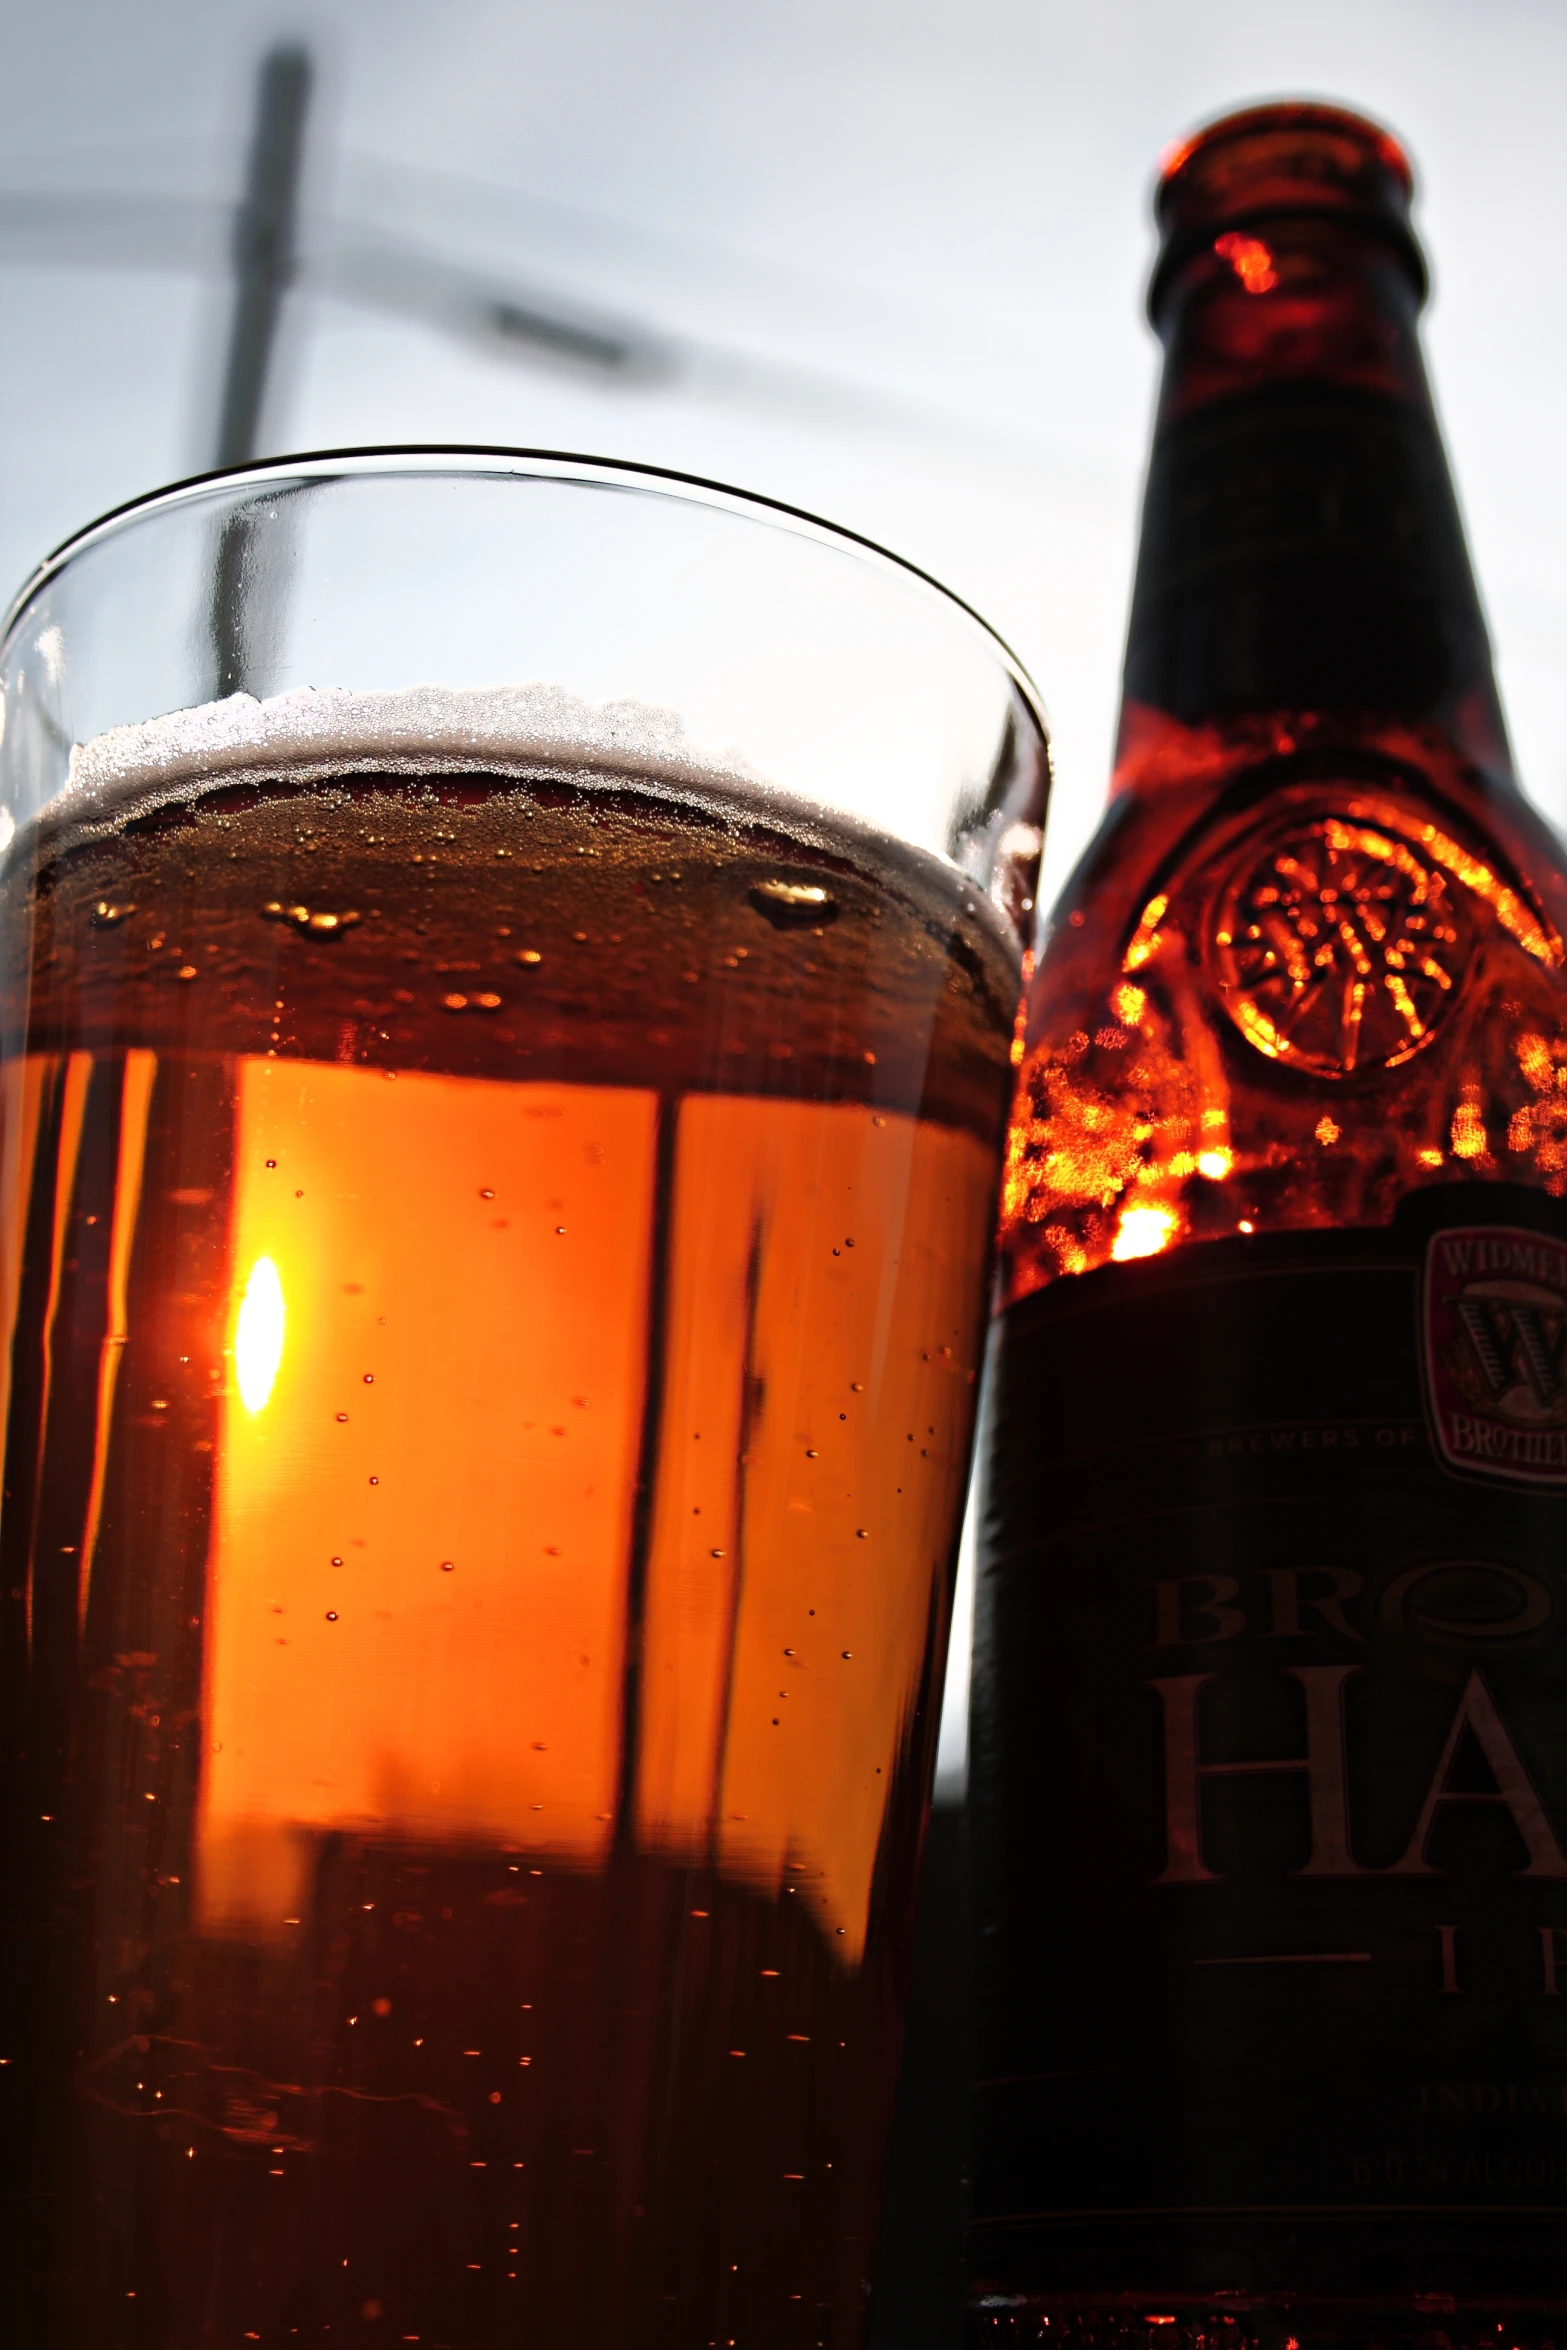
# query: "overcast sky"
[[898, 249]]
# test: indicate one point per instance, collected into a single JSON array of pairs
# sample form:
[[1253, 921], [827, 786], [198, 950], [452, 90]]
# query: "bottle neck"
[[1302, 562]]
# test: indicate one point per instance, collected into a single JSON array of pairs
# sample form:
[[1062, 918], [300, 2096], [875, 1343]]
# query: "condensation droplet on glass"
[[448, 1566], [485, 1192], [331, 1615], [106, 913]]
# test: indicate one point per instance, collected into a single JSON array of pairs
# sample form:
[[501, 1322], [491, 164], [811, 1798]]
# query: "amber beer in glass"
[[1270, 1732], [509, 974]]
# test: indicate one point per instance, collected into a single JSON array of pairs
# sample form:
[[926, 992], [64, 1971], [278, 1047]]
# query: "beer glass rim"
[[477, 459]]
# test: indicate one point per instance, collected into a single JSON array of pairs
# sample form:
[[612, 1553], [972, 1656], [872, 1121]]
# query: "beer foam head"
[[317, 732]]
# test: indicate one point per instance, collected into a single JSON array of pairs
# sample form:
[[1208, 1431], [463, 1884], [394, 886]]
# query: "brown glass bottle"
[[1270, 1717]]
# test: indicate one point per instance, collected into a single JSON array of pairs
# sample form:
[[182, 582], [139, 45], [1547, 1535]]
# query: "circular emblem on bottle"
[[1337, 944]]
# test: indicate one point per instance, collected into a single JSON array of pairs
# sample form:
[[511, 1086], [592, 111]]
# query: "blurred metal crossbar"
[[520, 318], [345, 260]]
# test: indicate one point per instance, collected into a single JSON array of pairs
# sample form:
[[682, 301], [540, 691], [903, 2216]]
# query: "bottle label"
[[1270, 1764], [1495, 1351]]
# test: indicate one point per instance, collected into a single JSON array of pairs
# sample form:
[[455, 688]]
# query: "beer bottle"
[[1270, 1716]]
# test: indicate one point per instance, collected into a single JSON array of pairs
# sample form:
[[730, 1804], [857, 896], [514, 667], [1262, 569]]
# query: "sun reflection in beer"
[[422, 1556], [258, 1335]]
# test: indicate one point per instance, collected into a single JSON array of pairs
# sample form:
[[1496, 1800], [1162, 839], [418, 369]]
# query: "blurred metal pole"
[[264, 246], [249, 576]]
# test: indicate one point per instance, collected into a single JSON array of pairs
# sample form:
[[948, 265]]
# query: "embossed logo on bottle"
[[1494, 1333], [1336, 944]]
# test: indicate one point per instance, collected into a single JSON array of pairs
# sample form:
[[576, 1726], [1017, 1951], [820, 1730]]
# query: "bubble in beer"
[[106, 913], [793, 905]]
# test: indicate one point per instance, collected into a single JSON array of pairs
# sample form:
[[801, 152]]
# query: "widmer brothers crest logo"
[[1495, 1342]]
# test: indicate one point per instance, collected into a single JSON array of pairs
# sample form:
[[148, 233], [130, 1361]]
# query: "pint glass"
[[509, 974]]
